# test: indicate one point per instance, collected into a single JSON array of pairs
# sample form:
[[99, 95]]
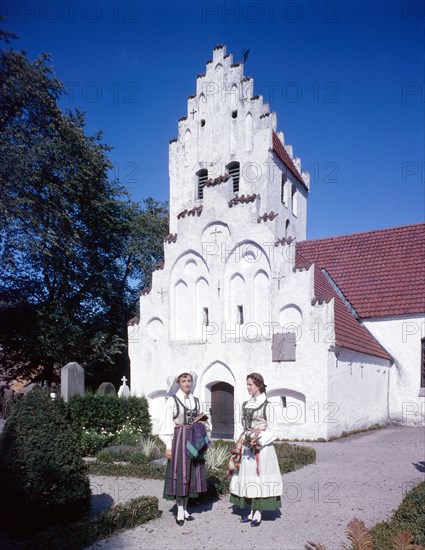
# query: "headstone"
[[106, 388], [72, 381], [124, 390]]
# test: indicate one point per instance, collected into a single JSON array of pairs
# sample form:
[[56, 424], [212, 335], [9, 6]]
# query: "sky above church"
[[345, 78]]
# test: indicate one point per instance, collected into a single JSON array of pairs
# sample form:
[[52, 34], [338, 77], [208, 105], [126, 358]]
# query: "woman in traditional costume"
[[256, 482], [185, 444]]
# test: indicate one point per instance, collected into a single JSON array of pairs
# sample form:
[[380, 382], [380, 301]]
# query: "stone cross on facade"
[[162, 292], [193, 113], [123, 379], [278, 276], [215, 233]]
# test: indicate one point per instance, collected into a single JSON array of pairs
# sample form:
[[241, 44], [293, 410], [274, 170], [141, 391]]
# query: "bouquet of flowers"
[[251, 441]]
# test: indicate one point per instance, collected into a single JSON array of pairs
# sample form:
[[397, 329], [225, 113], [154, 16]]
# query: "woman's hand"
[[168, 454]]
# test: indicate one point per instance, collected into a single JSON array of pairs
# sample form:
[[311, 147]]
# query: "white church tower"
[[228, 298]]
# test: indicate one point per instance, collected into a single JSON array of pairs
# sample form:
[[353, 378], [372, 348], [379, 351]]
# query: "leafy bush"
[[101, 420], [108, 412], [91, 441], [139, 458], [144, 471], [128, 434], [409, 516], [80, 535], [105, 456], [42, 475], [293, 457]]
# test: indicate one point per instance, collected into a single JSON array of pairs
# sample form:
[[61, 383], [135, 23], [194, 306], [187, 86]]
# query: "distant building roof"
[[381, 273]]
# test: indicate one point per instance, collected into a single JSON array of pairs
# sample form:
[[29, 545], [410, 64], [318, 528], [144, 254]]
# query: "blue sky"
[[345, 78]]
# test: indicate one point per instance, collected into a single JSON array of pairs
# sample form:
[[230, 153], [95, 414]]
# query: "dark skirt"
[[184, 477]]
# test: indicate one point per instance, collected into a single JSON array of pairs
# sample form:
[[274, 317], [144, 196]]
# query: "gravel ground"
[[363, 476]]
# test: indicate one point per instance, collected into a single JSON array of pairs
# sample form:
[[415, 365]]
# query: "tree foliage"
[[74, 249]]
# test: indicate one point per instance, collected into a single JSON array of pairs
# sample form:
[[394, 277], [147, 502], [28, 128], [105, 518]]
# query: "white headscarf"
[[173, 385]]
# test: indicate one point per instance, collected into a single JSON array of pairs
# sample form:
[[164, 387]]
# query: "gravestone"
[[106, 388], [72, 381], [124, 390]]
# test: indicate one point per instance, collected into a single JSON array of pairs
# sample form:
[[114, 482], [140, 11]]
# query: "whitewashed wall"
[[401, 337]]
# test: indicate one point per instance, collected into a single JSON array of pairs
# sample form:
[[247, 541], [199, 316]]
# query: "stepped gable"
[[349, 333], [381, 273]]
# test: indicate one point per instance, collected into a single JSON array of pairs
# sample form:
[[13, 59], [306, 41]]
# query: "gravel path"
[[363, 476]]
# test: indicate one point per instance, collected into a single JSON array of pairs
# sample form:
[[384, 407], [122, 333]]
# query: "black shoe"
[[255, 523], [180, 522], [189, 518]]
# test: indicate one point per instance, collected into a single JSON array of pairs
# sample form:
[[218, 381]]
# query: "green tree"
[[74, 249]]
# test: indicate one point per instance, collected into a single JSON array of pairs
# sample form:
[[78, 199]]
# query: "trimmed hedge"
[[80, 535], [107, 412], [293, 457], [144, 471], [42, 476], [102, 420]]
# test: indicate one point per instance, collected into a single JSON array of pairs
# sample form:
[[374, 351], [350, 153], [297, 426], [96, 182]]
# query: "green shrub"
[[409, 516], [105, 456], [108, 413], [42, 476], [102, 420], [80, 535], [144, 471], [293, 457], [139, 458], [91, 441]]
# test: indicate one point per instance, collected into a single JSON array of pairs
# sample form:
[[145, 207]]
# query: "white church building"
[[336, 326]]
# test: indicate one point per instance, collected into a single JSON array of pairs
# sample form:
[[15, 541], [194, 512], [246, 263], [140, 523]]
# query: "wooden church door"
[[222, 410]]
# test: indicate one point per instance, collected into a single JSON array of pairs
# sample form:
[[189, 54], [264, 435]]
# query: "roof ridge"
[[334, 237], [339, 292]]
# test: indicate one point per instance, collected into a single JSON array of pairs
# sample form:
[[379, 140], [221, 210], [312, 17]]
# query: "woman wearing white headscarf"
[[184, 477]]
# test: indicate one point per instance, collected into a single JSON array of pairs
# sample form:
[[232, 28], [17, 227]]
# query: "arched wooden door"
[[222, 410]]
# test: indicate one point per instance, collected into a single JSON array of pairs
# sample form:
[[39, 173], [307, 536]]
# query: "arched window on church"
[[234, 171], [283, 190], [287, 229], [202, 176], [294, 201]]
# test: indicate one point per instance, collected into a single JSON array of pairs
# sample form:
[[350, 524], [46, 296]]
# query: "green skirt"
[[269, 503]]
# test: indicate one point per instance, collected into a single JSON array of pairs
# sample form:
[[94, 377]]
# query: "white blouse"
[[166, 428]]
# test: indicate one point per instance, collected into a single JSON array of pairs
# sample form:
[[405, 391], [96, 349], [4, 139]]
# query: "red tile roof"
[[381, 273], [348, 332], [281, 152]]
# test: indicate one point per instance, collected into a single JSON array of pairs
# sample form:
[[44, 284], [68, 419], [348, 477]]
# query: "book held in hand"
[[201, 417]]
